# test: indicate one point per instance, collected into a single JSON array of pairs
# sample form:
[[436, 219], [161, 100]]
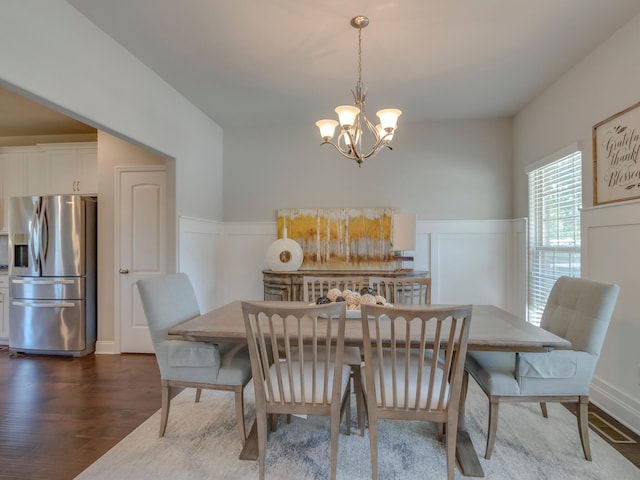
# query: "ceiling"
[[286, 62], [22, 117]]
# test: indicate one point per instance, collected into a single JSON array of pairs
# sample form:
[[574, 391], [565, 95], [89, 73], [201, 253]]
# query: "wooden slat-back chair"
[[403, 290], [409, 383], [290, 380], [318, 286], [314, 287]]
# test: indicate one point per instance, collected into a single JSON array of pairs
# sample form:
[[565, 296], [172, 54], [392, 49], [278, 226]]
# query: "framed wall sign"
[[616, 157]]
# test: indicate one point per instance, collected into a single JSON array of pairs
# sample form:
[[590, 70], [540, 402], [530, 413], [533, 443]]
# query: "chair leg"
[[346, 407], [335, 428], [273, 422], [373, 438], [543, 407], [198, 393], [463, 399], [493, 426], [360, 400], [240, 414], [583, 425], [451, 427], [261, 425], [164, 412]]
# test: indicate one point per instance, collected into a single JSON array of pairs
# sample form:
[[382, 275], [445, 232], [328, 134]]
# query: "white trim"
[[563, 152], [616, 403], [106, 347]]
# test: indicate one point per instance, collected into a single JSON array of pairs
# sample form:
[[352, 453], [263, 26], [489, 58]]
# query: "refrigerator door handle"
[[35, 239], [52, 304], [42, 282], [43, 227]]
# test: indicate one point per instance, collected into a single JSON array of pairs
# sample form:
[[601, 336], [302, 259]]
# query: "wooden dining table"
[[492, 328]]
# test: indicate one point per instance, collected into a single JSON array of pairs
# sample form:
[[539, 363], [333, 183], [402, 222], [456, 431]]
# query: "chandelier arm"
[[344, 153]]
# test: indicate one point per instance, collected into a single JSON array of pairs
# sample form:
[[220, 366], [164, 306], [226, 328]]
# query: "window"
[[555, 199]]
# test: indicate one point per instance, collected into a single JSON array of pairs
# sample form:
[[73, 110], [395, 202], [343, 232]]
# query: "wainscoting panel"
[[200, 247], [245, 248], [475, 261], [610, 243]]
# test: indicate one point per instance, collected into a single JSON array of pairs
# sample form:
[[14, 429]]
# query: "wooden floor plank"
[[60, 414]]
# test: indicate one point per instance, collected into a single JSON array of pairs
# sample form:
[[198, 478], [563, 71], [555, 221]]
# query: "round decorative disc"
[[284, 255]]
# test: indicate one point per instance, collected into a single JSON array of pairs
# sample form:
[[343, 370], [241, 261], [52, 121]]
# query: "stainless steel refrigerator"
[[52, 274]]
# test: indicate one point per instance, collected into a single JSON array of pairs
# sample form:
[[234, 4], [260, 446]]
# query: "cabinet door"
[[14, 181], [73, 170], [37, 174], [88, 171], [63, 171]]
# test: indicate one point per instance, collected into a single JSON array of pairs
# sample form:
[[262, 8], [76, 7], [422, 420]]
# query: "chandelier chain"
[[359, 56]]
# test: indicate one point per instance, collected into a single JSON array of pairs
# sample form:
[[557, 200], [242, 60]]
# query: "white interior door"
[[142, 248]]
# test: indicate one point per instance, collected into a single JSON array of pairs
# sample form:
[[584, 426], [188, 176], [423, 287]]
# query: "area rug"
[[202, 442]]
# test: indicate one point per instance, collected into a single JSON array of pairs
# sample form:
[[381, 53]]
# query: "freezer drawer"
[[45, 288], [39, 325]]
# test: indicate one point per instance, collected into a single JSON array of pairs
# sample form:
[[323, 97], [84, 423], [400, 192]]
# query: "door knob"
[[124, 271]]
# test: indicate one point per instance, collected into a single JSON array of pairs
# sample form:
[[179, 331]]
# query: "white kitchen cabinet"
[[37, 174], [46, 169], [14, 180], [4, 310], [73, 168]]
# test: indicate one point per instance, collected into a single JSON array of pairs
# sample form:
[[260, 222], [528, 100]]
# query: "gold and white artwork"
[[341, 238]]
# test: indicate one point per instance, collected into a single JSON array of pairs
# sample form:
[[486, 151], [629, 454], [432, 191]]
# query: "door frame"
[[169, 233]]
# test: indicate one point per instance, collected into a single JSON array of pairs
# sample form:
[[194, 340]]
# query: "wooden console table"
[[287, 286]]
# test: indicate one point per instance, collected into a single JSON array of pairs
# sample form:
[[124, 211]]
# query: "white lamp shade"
[[404, 231], [389, 118], [327, 128], [347, 115]]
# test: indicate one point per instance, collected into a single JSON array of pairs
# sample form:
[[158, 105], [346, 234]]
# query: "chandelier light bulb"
[[347, 115], [327, 128], [389, 118]]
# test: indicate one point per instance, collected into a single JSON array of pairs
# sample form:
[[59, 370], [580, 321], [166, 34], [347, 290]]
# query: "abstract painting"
[[340, 238]]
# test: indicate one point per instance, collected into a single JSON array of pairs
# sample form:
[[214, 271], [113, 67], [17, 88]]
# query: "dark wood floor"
[[59, 414]]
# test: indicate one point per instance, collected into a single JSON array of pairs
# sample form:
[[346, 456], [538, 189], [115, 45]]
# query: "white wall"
[[470, 261], [52, 54], [602, 84], [456, 170]]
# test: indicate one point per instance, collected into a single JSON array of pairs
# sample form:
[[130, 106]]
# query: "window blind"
[[555, 199]]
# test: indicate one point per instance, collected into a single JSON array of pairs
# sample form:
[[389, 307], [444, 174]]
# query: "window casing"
[[555, 199]]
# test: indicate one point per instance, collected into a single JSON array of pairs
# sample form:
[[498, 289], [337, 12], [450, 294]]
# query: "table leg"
[[250, 448], [465, 452]]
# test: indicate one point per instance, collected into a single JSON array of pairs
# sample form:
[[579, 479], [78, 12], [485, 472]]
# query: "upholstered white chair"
[[168, 300], [291, 380], [578, 310], [423, 382]]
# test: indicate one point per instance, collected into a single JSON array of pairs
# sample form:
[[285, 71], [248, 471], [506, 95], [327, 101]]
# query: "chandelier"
[[357, 130]]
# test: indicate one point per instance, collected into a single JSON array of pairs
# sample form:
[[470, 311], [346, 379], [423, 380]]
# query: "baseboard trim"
[[108, 348], [615, 403]]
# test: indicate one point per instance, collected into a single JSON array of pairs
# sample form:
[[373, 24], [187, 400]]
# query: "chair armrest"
[[554, 364]]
